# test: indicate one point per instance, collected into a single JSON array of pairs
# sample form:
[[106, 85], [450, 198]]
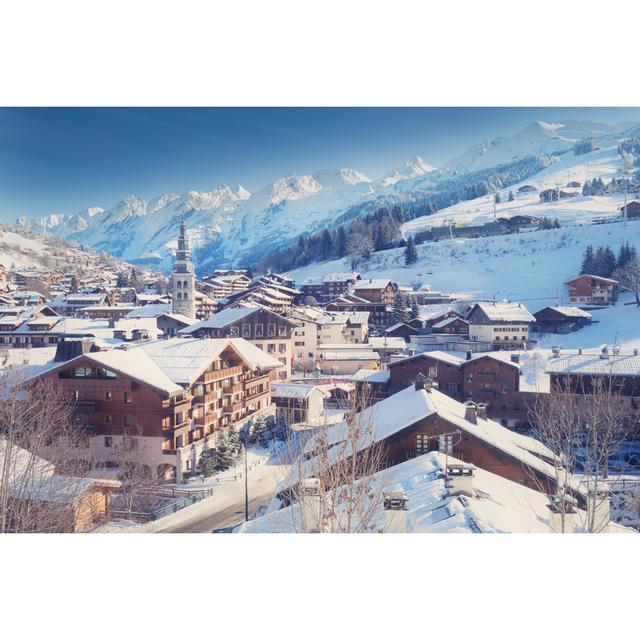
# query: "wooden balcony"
[[86, 406], [233, 388], [211, 376]]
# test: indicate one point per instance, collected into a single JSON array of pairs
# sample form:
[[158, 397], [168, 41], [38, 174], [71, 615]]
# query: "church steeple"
[[183, 278]]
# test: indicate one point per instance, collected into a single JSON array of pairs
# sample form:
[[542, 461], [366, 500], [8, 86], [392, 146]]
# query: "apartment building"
[[166, 397]]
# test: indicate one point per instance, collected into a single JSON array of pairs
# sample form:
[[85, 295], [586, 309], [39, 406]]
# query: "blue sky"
[[67, 159]]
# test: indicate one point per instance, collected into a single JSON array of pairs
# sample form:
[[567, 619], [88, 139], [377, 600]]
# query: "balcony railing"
[[87, 406], [210, 376]]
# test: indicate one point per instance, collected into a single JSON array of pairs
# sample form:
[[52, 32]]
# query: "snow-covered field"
[[530, 266]]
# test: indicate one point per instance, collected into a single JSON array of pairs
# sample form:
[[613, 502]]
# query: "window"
[[283, 360], [233, 332], [299, 344], [504, 388], [127, 397], [271, 330], [108, 419], [76, 395], [246, 330], [271, 347], [108, 441], [282, 347], [282, 330], [82, 372], [108, 395], [127, 420], [258, 330], [469, 377], [422, 443], [453, 387], [282, 375], [105, 373]]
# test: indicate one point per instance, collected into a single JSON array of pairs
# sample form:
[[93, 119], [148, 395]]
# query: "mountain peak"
[[409, 169], [336, 178]]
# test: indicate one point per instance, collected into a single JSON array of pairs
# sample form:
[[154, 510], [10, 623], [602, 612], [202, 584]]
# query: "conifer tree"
[[341, 243], [326, 246], [415, 311], [410, 253], [207, 461], [223, 454], [510, 198], [588, 261]]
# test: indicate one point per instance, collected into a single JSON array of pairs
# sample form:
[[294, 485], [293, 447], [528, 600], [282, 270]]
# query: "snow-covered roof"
[[588, 275], [387, 342], [410, 406], [448, 321], [443, 356], [294, 391], [184, 360], [594, 364], [574, 312], [506, 311], [377, 283], [221, 319], [376, 375], [497, 505], [150, 311]]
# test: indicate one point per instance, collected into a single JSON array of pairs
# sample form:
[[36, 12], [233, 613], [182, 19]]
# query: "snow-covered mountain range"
[[228, 225]]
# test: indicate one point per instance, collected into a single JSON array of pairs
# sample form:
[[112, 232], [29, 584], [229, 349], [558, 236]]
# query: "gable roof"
[[588, 275], [503, 311]]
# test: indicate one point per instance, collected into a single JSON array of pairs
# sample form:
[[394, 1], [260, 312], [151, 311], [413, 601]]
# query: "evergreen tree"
[[223, 454], [588, 261], [397, 308], [207, 461], [123, 280], [410, 253], [326, 244], [497, 199], [260, 432], [415, 311], [608, 262], [510, 198], [74, 285], [341, 243], [234, 441]]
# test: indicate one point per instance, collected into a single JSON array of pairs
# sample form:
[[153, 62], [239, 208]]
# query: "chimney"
[[580, 351], [481, 411], [604, 354], [635, 352], [69, 349], [469, 355], [311, 505], [470, 412], [601, 508], [555, 352], [420, 382], [395, 510], [460, 479], [515, 357], [556, 510]]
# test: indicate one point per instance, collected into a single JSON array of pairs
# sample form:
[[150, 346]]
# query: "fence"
[[190, 498]]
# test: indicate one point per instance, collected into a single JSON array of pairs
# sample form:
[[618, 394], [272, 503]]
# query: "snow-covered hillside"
[[229, 226], [604, 163], [536, 138]]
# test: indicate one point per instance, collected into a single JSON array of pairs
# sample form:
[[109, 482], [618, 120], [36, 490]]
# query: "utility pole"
[[246, 486], [625, 204]]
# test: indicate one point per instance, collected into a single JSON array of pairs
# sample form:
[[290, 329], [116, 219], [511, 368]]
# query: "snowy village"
[[446, 349]]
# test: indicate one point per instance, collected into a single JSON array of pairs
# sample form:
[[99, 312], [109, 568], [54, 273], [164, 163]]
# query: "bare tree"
[[628, 277], [583, 424], [336, 483], [137, 480], [359, 247], [42, 457]]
